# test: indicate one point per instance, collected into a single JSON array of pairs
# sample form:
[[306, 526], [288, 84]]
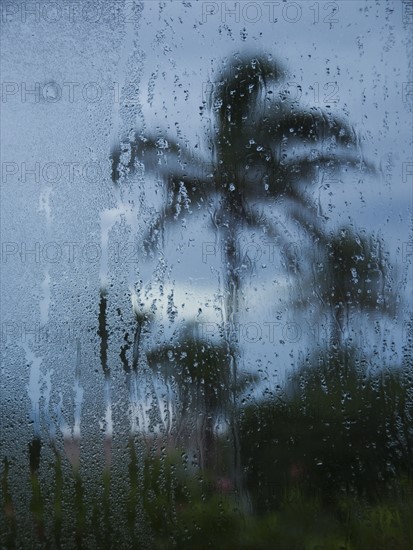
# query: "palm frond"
[[195, 363], [184, 196], [313, 126], [305, 168], [158, 155]]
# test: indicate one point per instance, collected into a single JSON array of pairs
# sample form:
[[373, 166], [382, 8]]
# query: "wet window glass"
[[206, 257]]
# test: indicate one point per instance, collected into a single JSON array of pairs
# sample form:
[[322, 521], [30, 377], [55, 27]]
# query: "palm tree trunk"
[[232, 283], [208, 436], [336, 330]]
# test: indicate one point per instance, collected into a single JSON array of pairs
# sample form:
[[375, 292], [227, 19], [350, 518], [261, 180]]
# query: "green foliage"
[[9, 529], [195, 518], [188, 508], [335, 430]]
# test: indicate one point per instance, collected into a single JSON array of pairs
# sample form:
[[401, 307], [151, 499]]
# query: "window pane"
[[206, 275]]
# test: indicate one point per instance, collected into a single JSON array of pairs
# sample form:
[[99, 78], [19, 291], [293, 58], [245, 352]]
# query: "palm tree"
[[252, 140], [353, 275], [198, 370]]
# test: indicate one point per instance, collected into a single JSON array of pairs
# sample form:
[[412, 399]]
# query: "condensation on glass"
[[206, 275]]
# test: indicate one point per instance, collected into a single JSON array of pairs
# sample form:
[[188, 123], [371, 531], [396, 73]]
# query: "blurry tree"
[[198, 369], [352, 275], [330, 435], [264, 148]]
